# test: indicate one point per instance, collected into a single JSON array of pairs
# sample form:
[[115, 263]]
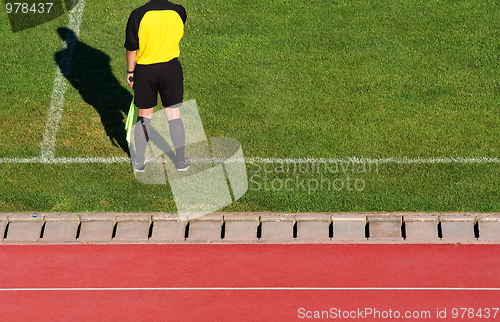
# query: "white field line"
[[48, 144], [65, 160], [257, 160], [251, 289], [357, 160]]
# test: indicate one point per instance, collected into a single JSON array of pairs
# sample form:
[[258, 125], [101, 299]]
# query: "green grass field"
[[289, 79]]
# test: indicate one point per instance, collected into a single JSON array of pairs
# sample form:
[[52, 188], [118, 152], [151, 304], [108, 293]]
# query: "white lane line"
[[457, 160], [48, 144], [496, 289]]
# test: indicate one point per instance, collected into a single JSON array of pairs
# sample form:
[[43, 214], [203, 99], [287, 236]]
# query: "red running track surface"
[[249, 282]]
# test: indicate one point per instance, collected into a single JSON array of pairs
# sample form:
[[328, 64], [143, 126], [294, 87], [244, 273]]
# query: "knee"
[[173, 113]]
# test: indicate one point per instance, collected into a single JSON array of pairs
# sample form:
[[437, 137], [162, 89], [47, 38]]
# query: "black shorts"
[[164, 78]]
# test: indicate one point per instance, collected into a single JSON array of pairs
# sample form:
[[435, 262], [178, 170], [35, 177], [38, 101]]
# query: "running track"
[[246, 282]]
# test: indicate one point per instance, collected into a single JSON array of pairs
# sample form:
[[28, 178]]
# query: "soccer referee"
[[153, 33]]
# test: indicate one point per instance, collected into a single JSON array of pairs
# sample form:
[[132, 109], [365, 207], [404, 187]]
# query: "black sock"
[[141, 133], [178, 139]]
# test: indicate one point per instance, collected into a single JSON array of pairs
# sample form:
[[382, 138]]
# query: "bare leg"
[[173, 113], [147, 112]]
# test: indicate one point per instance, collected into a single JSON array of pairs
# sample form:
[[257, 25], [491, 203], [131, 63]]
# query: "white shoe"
[[185, 165], [138, 167]]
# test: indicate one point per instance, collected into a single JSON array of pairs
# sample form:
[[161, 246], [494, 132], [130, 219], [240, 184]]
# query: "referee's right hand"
[[130, 80]]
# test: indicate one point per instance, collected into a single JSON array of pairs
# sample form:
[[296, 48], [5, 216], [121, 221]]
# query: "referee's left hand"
[[130, 80]]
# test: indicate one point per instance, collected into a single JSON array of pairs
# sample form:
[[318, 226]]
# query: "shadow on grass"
[[88, 70]]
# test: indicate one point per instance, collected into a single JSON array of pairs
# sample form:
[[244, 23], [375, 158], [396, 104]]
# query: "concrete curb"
[[421, 227], [265, 227], [385, 227]]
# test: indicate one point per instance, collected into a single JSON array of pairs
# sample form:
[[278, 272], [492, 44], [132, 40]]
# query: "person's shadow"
[[89, 71]]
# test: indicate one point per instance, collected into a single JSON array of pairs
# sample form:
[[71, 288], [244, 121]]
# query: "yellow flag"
[[133, 112]]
